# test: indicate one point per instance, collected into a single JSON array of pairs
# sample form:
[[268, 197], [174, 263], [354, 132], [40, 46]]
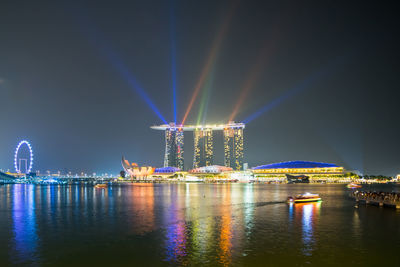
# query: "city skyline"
[[314, 82], [199, 133]]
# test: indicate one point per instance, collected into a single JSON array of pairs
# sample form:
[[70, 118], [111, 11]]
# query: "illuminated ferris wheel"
[[23, 160]]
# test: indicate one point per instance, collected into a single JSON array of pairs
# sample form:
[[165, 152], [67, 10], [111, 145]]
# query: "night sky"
[[84, 81]]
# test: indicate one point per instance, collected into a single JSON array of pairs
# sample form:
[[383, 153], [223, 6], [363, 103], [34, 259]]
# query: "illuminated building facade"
[[211, 169], [299, 167], [133, 170], [203, 144], [203, 148], [174, 148], [233, 147]]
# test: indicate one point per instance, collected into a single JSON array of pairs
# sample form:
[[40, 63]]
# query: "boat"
[[293, 179], [353, 185], [102, 186], [307, 197]]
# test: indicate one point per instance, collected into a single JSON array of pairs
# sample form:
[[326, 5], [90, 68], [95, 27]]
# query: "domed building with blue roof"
[[299, 167], [167, 170]]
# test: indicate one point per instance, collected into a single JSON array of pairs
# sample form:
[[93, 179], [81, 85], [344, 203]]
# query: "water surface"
[[193, 224]]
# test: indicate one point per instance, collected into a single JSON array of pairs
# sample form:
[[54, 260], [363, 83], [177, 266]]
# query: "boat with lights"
[[101, 186], [303, 198], [353, 185], [296, 179]]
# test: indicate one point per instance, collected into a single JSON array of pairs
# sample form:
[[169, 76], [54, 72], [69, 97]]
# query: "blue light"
[[271, 105], [291, 210], [306, 83], [307, 224], [24, 223], [96, 39], [167, 170], [120, 66]]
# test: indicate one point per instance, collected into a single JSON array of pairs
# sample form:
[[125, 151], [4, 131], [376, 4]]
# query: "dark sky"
[[325, 72]]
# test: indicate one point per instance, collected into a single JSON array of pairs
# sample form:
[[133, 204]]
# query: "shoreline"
[[110, 182]]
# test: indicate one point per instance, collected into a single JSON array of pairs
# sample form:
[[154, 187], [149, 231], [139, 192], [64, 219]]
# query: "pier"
[[377, 198]]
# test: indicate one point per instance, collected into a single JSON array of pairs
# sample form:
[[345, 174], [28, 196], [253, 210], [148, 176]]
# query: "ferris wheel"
[[20, 161]]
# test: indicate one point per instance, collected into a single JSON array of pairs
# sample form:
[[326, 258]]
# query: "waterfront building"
[[203, 144], [316, 172], [174, 147], [241, 176], [233, 147], [214, 169], [166, 172], [299, 167], [133, 170], [203, 147]]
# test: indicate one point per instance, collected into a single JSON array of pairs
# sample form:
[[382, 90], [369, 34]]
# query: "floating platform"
[[376, 199]]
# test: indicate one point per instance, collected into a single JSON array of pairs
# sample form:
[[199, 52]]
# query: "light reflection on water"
[[24, 224], [175, 232], [143, 208], [310, 214], [248, 211], [188, 224], [225, 232]]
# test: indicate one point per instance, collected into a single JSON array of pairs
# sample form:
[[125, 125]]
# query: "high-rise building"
[[203, 147], [173, 147], [233, 147], [203, 144]]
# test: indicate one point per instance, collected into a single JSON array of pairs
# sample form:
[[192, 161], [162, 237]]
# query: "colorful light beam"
[[173, 59], [205, 98], [266, 52], [252, 78], [125, 73], [306, 83], [97, 40], [273, 104], [211, 58]]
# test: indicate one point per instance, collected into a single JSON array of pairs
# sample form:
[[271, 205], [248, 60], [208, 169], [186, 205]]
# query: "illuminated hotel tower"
[[203, 147], [203, 144], [173, 147], [233, 147]]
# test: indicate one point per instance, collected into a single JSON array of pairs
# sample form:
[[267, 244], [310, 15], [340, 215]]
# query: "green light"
[[205, 98]]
